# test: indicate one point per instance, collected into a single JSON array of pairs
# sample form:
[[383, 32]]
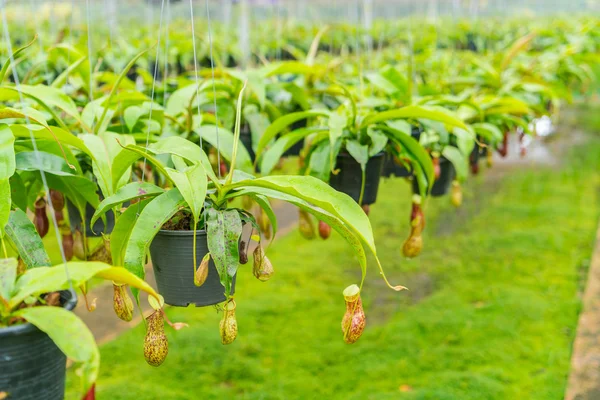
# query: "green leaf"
[[8, 277], [49, 133], [224, 229], [378, 141], [13, 57], [62, 78], [7, 152], [101, 162], [460, 162], [119, 237], [52, 97], [337, 122], [78, 189], [359, 152], [37, 281], [149, 222], [342, 228], [465, 140], [416, 152], [271, 157], [488, 131], [381, 82], [184, 148], [283, 122], [192, 185], [46, 104], [414, 112], [171, 145], [113, 90], [131, 115], [29, 245], [258, 122], [133, 190], [320, 194], [42, 161], [264, 203], [224, 144], [70, 335], [32, 115], [131, 154], [18, 192]]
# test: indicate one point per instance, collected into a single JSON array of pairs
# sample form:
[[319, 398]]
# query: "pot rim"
[[22, 329]]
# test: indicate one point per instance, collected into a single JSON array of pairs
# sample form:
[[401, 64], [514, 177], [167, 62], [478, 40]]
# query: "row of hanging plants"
[[158, 160]]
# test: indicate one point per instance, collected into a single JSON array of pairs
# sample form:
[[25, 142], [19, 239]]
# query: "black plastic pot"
[[98, 228], [441, 186], [390, 167], [349, 178], [173, 264], [31, 366]]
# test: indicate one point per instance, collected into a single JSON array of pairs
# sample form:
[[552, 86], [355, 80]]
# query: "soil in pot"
[[349, 178], [441, 186], [31, 366], [172, 257]]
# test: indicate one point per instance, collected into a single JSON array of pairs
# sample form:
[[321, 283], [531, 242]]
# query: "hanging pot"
[[173, 263], [98, 228], [349, 178], [441, 186], [32, 367], [391, 167]]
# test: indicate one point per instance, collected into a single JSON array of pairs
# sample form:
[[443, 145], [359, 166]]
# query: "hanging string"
[[212, 70], [154, 73], [196, 75], [34, 144]]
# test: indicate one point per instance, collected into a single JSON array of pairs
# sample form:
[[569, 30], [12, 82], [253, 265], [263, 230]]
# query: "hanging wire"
[[196, 74], [212, 70], [34, 144], [154, 73]]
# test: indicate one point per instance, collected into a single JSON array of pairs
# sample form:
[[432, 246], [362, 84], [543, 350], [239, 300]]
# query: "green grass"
[[491, 312]]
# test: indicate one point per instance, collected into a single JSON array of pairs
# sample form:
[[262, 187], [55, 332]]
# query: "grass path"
[[491, 313]]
